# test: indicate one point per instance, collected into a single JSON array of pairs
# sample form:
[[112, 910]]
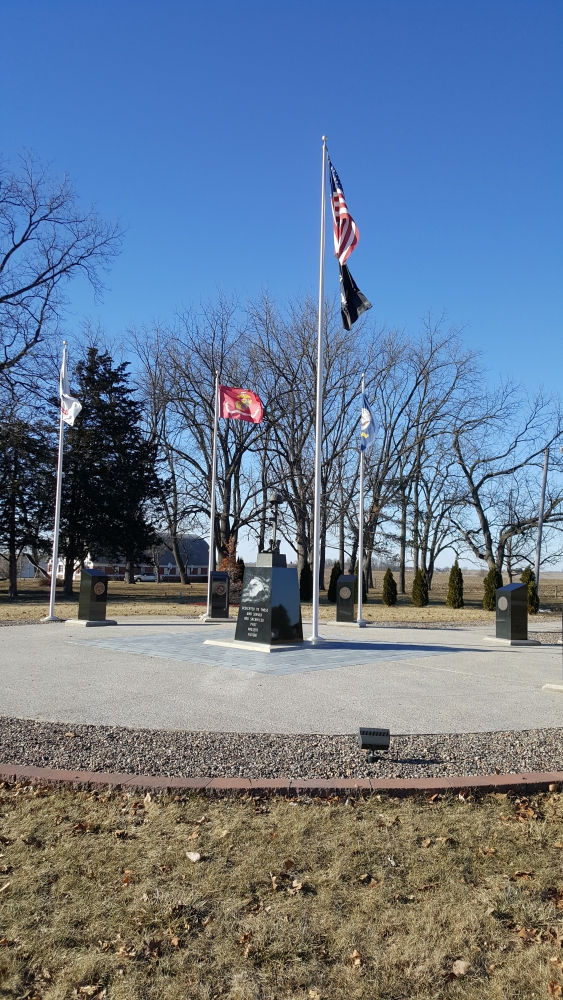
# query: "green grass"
[[377, 899]]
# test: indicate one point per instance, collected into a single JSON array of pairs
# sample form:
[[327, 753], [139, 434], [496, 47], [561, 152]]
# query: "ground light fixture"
[[372, 738]]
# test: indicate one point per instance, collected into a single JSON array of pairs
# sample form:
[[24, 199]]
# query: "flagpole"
[[211, 566], [540, 521], [360, 618], [52, 617], [315, 637]]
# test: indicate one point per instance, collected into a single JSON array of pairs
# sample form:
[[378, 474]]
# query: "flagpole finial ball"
[[325, 138]]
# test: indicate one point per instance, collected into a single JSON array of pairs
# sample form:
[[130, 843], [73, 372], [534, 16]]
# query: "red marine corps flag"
[[240, 404], [230, 404]]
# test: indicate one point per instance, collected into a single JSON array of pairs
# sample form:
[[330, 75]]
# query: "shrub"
[[491, 583], [455, 587], [334, 574], [389, 595], [306, 583], [420, 590], [529, 578]]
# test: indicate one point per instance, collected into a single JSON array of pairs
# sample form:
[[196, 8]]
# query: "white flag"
[[70, 407]]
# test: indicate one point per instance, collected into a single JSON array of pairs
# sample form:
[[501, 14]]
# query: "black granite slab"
[[270, 608], [512, 611]]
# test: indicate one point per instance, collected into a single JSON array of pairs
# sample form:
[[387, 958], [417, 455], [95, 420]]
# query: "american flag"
[[346, 234]]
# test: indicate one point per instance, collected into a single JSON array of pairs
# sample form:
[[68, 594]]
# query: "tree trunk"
[[13, 568], [403, 545], [353, 554], [509, 559], [179, 560], [12, 550], [302, 542], [341, 553], [129, 571], [68, 570], [322, 559], [416, 543]]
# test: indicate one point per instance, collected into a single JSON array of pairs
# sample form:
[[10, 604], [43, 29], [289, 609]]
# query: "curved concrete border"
[[523, 784]]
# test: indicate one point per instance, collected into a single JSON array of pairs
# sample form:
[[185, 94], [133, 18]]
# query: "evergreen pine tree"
[[491, 583], [306, 584], [27, 489], [420, 590], [109, 476], [334, 574], [455, 587], [529, 577], [389, 594]]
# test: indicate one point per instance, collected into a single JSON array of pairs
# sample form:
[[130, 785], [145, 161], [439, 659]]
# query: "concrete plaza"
[[160, 674]]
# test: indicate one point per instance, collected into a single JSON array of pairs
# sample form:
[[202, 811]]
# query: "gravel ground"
[[169, 753]]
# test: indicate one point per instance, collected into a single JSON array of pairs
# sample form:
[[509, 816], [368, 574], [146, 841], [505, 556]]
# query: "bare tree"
[[214, 340], [46, 239], [499, 439], [285, 359]]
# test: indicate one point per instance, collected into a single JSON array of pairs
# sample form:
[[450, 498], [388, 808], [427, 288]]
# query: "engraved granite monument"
[[270, 609]]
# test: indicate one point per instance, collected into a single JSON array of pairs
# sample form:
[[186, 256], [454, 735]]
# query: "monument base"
[[210, 620], [361, 624], [85, 623], [512, 642], [258, 647]]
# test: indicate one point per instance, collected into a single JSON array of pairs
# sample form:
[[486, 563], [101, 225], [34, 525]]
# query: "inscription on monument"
[[269, 611]]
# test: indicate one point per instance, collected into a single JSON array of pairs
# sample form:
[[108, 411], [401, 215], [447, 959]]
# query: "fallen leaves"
[[554, 989], [245, 941], [528, 934], [369, 881], [295, 887], [356, 958], [521, 876], [120, 834], [491, 851], [460, 967], [81, 827]]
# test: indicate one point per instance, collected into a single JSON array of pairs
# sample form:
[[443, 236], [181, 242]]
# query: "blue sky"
[[199, 125]]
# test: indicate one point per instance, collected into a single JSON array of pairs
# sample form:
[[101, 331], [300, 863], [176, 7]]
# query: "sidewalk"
[[159, 674]]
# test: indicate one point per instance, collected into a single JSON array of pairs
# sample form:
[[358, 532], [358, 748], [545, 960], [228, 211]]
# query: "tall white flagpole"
[[315, 637], [360, 618], [540, 520], [211, 566], [51, 617]]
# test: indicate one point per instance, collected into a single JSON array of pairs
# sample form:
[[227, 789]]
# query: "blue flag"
[[367, 426]]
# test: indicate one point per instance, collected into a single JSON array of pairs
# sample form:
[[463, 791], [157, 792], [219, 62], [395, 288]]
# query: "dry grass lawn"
[[187, 601], [376, 899]]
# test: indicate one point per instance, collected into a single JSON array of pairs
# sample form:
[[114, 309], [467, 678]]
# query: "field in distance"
[[189, 600]]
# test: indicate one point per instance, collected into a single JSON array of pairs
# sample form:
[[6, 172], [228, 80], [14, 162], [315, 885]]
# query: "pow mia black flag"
[[352, 302]]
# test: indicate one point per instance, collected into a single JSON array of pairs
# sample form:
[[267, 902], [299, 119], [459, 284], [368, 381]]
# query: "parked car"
[[144, 578]]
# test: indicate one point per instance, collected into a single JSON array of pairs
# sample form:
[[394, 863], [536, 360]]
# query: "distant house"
[[193, 549], [26, 571]]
